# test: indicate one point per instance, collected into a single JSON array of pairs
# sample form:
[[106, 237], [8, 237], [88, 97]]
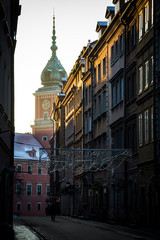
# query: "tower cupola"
[[54, 71]]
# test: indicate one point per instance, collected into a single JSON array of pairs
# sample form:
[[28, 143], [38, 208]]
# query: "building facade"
[[120, 109], [9, 12], [31, 178]]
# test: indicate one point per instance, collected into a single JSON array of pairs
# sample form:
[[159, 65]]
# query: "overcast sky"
[[75, 24]]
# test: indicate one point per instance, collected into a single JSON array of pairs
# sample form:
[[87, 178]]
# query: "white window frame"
[[152, 12], [117, 7], [152, 67], [146, 16], [146, 83], [140, 80], [140, 24]]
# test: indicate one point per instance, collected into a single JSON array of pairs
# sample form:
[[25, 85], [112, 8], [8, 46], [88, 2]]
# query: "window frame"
[[146, 80], [140, 129], [146, 126], [140, 24], [146, 18], [29, 184], [152, 123], [140, 79], [39, 185]]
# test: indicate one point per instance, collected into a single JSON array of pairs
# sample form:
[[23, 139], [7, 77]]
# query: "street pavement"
[[67, 228]]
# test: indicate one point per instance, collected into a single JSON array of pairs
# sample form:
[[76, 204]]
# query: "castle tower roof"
[[54, 71]]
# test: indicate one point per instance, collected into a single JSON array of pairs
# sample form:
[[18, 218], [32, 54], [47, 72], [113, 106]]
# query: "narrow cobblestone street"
[[66, 228]]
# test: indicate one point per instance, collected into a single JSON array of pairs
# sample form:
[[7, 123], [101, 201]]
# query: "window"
[[44, 138], [90, 123], [116, 49], [104, 65], [117, 92], [18, 206], [28, 206], [129, 88], [28, 189], [29, 169], [39, 206], [39, 189], [19, 168], [45, 115], [152, 68], [39, 170], [140, 24], [18, 189], [146, 74], [112, 54], [121, 88], [152, 129], [152, 11], [140, 85], [117, 7], [146, 16], [99, 71], [47, 190], [146, 127], [113, 95], [140, 129]]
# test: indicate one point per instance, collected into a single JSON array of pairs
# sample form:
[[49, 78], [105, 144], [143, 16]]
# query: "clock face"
[[45, 104]]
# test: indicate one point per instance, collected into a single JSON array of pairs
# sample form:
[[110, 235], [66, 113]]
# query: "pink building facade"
[[31, 178]]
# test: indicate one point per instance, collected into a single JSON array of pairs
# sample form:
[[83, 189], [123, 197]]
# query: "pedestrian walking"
[[53, 211]]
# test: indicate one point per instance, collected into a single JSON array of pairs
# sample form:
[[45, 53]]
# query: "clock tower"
[[45, 96]]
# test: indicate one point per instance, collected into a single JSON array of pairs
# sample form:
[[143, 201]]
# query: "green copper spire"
[[54, 47], [54, 71]]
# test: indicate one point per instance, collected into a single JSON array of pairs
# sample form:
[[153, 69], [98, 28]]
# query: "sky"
[[75, 24]]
